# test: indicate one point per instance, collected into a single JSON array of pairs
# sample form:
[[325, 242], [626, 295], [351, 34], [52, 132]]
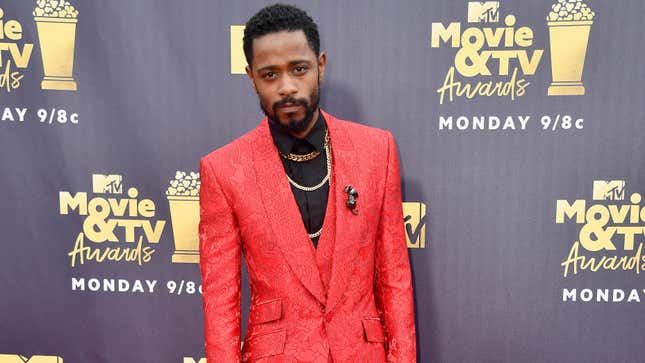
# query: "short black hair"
[[278, 17]]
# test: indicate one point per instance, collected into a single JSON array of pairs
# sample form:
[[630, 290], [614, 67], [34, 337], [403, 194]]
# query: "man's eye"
[[270, 75], [300, 69]]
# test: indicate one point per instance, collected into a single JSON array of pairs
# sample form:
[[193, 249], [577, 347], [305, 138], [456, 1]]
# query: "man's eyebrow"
[[292, 63], [266, 68]]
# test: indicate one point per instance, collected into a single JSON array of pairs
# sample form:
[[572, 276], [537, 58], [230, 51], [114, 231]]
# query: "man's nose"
[[288, 86]]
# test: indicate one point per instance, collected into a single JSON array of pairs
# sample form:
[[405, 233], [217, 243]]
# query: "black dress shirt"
[[312, 204]]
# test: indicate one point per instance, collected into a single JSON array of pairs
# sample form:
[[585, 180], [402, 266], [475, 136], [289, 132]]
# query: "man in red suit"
[[314, 203]]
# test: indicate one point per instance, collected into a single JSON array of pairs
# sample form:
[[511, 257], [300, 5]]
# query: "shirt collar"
[[315, 139]]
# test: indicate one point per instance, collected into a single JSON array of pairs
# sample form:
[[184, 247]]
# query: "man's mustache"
[[296, 101]]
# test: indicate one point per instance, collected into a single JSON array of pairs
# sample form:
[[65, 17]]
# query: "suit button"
[[328, 318], [322, 309]]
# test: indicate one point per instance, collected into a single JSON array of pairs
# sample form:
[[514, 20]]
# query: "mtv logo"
[[483, 11], [608, 189], [414, 218], [15, 358], [107, 184], [238, 61]]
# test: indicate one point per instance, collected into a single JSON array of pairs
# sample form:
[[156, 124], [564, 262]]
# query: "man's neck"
[[303, 134]]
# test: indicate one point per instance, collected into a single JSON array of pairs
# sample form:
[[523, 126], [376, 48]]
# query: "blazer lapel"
[[283, 213], [349, 226]]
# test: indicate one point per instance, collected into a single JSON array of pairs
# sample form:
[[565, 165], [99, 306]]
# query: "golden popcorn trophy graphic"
[[183, 197], [569, 24], [16, 358], [238, 61], [56, 22]]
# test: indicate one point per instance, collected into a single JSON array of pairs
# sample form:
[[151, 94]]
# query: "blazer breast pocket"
[[373, 330], [265, 311]]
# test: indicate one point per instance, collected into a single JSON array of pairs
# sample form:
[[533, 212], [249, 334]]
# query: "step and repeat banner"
[[520, 131]]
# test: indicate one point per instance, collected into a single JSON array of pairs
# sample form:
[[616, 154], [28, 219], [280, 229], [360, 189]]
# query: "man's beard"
[[295, 126]]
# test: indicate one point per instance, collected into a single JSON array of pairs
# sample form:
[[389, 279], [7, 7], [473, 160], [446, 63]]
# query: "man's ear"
[[249, 73], [322, 61]]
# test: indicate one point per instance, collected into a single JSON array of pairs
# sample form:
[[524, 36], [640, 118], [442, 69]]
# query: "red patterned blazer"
[[350, 299]]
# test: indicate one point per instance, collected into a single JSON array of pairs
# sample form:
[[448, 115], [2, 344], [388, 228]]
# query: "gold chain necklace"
[[325, 179], [305, 157], [315, 234]]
